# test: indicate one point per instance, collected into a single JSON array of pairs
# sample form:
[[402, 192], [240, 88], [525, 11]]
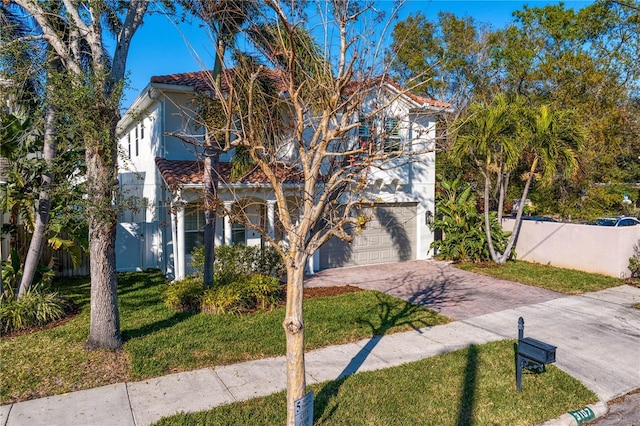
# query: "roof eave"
[[145, 99], [242, 185], [433, 108]]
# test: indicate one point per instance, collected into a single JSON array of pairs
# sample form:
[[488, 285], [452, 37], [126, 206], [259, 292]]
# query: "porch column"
[[271, 218], [227, 224], [180, 271]]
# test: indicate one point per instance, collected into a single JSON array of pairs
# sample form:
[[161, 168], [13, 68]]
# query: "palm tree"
[[500, 136], [487, 136], [553, 141], [224, 18]]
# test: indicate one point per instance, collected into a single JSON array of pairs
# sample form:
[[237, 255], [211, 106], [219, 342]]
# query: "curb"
[[580, 416]]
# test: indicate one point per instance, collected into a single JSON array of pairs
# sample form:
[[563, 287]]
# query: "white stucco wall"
[[165, 109], [600, 249]]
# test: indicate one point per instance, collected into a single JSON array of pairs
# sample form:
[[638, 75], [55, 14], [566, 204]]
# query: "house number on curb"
[[583, 415], [304, 410]]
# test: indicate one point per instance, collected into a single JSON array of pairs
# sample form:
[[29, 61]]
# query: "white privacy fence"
[[601, 249]]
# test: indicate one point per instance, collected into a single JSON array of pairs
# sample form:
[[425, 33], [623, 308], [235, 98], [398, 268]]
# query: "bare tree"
[[296, 108], [97, 86]]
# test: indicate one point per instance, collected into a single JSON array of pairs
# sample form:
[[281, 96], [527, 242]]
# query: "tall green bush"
[[245, 278], [462, 226], [236, 261]]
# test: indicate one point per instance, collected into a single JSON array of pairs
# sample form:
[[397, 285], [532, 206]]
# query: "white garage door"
[[390, 236]]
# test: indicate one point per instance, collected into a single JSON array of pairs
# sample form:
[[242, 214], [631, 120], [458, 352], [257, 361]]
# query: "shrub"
[[36, 308], [265, 291], [462, 226], [184, 295], [228, 298], [237, 261], [255, 292], [634, 261]]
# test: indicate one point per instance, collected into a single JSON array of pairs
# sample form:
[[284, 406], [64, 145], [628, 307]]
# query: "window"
[[136, 141], [391, 134], [129, 145], [193, 227], [142, 130], [366, 129], [238, 233]]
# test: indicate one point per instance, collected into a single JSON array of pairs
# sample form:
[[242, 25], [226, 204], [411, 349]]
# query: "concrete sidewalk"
[[597, 335]]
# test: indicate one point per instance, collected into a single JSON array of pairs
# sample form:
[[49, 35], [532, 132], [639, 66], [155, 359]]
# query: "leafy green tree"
[[488, 136], [585, 61], [97, 83], [553, 143], [449, 59], [581, 60]]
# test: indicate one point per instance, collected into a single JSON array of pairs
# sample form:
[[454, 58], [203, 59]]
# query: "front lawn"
[[562, 280], [472, 386], [159, 341]]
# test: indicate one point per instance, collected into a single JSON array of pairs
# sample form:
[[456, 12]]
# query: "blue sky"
[[164, 46]]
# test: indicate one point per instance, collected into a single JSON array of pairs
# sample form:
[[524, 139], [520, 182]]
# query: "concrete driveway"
[[597, 334]]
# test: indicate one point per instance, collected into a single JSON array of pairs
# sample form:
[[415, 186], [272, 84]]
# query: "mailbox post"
[[532, 354]]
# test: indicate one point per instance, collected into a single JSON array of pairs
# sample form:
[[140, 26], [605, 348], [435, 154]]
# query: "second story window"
[[137, 141], [129, 145], [392, 137], [367, 129]]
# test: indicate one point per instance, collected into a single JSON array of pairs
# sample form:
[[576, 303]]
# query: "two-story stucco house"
[[160, 181]]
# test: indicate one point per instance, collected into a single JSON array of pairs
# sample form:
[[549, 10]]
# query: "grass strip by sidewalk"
[[562, 280], [159, 341], [475, 386]]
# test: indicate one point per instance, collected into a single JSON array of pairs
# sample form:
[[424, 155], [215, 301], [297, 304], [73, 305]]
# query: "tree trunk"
[[504, 183], [487, 219], [101, 174], [44, 205], [210, 181], [294, 332], [211, 172], [513, 239]]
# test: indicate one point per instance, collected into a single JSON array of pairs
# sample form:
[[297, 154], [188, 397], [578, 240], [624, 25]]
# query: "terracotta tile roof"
[[184, 172], [199, 80], [422, 100], [203, 81]]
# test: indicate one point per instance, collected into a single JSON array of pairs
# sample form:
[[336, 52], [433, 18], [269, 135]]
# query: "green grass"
[[159, 341], [562, 280], [475, 386]]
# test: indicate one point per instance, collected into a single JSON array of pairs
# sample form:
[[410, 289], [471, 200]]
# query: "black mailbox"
[[532, 354], [536, 350]]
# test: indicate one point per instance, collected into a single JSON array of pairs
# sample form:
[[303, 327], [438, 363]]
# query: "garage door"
[[389, 237]]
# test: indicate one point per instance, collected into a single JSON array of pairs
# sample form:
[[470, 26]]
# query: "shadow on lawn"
[[156, 326], [390, 316], [467, 400]]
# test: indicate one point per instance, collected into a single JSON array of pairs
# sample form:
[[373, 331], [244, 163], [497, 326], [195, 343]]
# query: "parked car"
[[539, 218], [617, 221]]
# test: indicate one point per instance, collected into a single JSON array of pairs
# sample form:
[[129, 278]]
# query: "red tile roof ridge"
[[177, 173], [203, 81]]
